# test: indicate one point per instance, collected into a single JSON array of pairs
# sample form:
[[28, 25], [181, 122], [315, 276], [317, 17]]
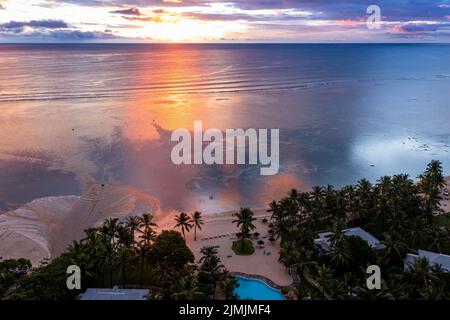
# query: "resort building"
[[323, 239], [433, 258], [114, 294]]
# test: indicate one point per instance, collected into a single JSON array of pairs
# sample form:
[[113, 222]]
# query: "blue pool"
[[256, 289]]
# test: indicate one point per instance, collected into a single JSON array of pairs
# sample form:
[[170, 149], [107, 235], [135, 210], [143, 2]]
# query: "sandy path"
[[218, 230]]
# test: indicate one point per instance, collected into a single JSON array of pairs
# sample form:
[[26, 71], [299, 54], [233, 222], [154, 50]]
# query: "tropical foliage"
[[398, 211], [128, 253]]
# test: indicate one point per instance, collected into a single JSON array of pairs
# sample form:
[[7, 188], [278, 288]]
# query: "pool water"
[[256, 289]]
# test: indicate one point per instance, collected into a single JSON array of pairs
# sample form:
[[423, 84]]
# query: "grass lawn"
[[442, 220], [245, 250]]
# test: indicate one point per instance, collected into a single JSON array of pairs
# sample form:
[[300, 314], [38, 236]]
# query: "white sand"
[[43, 228], [220, 227]]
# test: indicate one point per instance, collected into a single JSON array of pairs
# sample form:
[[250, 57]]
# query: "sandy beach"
[[218, 230], [43, 228]]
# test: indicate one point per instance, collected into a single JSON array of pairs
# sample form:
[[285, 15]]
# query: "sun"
[[187, 30]]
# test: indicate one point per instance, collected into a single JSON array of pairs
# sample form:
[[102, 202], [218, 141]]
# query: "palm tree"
[[420, 272], [133, 223], [289, 255], [229, 285], [395, 249], [439, 239], [321, 282], [214, 268], [435, 173], [187, 289], [340, 255], [146, 222], [143, 250], [275, 209], [125, 236], [316, 207], [364, 193], [96, 250], [384, 185], [244, 220], [337, 233], [148, 237], [184, 222], [109, 233], [124, 259], [431, 183], [146, 225], [207, 253], [197, 220]]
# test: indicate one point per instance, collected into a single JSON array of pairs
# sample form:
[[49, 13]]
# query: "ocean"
[[73, 113]]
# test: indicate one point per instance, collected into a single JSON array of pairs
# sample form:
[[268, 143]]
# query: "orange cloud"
[[349, 23]]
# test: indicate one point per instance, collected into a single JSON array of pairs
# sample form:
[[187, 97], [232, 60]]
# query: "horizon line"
[[206, 43]]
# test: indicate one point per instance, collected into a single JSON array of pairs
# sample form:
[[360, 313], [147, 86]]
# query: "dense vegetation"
[[396, 210], [404, 215], [126, 253]]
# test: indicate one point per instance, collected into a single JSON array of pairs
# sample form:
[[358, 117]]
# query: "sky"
[[223, 21]]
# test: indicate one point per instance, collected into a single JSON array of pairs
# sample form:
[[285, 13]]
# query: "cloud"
[[393, 10], [73, 35], [419, 28], [219, 16], [50, 29], [297, 19], [18, 26], [157, 19], [129, 12], [64, 35]]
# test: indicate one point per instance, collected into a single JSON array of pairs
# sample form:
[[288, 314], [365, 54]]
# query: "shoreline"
[[44, 227]]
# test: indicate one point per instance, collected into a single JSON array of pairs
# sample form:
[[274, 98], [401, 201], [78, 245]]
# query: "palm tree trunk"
[[124, 280], [195, 232], [142, 269], [110, 272], [103, 276]]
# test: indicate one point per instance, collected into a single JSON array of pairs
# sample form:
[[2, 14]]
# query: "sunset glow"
[[216, 21]]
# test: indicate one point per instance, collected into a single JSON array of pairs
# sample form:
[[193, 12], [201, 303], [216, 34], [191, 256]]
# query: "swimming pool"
[[256, 289]]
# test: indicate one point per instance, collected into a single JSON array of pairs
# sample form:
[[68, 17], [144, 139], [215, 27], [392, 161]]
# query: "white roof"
[[433, 258], [324, 238], [114, 294]]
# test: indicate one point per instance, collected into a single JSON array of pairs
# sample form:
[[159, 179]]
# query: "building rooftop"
[[114, 294], [323, 239], [433, 258]]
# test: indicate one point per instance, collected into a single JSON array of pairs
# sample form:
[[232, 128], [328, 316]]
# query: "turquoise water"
[[257, 290]]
